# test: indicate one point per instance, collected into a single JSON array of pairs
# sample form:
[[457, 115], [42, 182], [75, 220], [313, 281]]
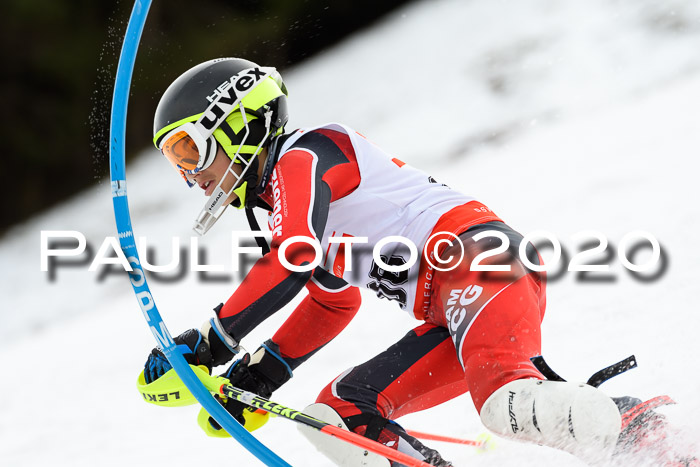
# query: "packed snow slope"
[[564, 116]]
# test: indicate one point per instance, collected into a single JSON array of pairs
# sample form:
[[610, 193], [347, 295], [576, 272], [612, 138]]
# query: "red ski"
[[647, 438]]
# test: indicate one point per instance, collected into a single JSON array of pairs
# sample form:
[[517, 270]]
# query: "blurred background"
[[59, 59]]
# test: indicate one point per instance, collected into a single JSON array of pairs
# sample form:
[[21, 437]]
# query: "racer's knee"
[[574, 417], [346, 396]]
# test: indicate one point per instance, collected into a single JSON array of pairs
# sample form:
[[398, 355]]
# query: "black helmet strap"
[[255, 189], [272, 158], [251, 176], [255, 227], [251, 200]]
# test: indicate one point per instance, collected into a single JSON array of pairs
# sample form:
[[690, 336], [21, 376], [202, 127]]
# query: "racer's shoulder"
[[330, 144], [313, 136]]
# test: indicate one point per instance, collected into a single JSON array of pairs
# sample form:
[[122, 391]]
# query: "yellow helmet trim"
[[262, 94], [163, 131]]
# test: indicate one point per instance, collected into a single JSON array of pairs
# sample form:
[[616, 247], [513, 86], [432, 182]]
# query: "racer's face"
[[208, 178]]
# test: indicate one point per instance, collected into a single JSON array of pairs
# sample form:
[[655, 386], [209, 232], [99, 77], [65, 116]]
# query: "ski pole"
[[445, 439], [253, 400]]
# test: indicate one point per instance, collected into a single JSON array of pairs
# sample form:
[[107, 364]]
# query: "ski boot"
[[370, 426]]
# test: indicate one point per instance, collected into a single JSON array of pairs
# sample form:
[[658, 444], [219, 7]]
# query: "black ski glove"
[[194, 349], [223, 346], [261, 374], [212, 346]]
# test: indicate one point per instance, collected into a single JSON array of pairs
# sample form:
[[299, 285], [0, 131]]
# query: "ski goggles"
[[188, 150]]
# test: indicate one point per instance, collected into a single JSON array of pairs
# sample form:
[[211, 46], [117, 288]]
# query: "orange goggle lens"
[[181, 150]]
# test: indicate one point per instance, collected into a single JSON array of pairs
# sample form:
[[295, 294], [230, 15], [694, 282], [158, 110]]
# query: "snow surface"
[[563, 116]]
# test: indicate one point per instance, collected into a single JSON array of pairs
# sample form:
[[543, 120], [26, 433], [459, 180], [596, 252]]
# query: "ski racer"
[[333, 198]]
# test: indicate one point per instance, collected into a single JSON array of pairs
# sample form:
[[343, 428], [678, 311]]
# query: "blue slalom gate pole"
[[117, 161]]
